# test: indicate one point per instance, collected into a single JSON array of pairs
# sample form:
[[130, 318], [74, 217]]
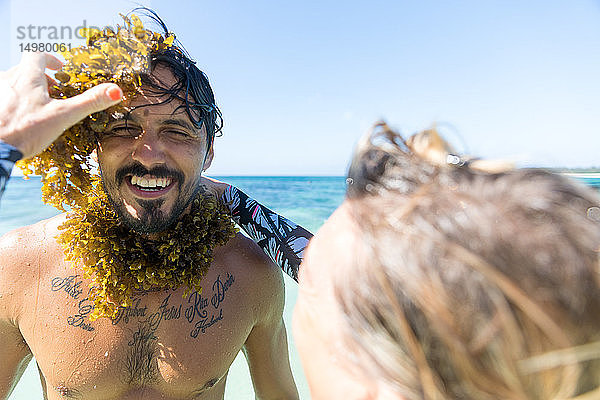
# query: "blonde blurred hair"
[[472, 281]]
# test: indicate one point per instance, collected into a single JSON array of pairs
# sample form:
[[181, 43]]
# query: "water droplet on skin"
[[593, 213], [106, 354]]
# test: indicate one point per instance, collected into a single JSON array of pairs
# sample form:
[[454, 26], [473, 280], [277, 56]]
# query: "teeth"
[[148, 181]]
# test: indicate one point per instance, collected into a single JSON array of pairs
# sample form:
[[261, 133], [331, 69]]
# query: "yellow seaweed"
[[118, 261], [107, 56]]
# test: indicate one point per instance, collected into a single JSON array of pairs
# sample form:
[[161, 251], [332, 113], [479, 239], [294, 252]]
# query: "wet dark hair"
[[191, 87]]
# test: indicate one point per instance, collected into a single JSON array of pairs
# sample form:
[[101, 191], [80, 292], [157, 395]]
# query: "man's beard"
[[151, 219], [121, 261]]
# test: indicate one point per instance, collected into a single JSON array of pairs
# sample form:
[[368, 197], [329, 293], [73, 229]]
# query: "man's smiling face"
[[151, 160]]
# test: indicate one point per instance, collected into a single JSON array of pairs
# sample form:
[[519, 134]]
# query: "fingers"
[[53, 89], [33, 61], [53, 62], [40, 61], [74, 109], [51, 81]]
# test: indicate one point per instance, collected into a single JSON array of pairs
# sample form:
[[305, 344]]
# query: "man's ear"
[[209, 157]]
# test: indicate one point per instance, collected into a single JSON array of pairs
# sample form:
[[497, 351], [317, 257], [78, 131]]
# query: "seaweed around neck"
[[119, 261]]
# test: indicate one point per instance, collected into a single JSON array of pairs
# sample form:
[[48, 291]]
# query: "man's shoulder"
[[42, 230], [251, 264], [242, 253], [21, 246], [25, 254]]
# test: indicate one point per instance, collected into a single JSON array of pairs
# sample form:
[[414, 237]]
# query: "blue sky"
[[300, 82]]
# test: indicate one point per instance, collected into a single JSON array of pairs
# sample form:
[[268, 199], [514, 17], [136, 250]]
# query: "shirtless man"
[[164, 346]]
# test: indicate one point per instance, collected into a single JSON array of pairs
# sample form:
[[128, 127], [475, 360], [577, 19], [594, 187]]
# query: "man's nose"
[[148, 149]]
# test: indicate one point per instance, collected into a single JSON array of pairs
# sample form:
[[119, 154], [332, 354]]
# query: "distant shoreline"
[[592, 174], [20, 175], [582, 174]]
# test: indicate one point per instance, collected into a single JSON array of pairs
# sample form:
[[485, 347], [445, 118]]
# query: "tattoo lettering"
[[165, 313], [219, 288], [197, 312], [197, 308], [81, 320], [144, 334], [204, 324], [69, 284], [133, 311]]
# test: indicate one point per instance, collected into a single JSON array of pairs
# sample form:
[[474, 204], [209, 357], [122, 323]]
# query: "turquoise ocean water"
[[307, 201]]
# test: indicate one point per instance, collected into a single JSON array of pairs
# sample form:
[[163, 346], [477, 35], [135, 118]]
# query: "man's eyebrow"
[[171, 121], [126, 117], [180, 122]]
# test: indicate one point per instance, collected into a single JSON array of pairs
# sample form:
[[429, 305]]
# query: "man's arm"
[[266, 351], [14, 357], [14, 352], [266, 347], [9, 155], [281, 239], [30, 119]]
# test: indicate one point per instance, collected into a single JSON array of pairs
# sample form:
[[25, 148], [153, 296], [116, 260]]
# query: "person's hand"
[[215, 186], [30, 119]]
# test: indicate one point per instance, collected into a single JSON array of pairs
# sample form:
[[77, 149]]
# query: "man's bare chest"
[[165, 342]]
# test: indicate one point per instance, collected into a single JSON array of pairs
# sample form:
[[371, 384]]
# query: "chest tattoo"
[[200, 310]]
